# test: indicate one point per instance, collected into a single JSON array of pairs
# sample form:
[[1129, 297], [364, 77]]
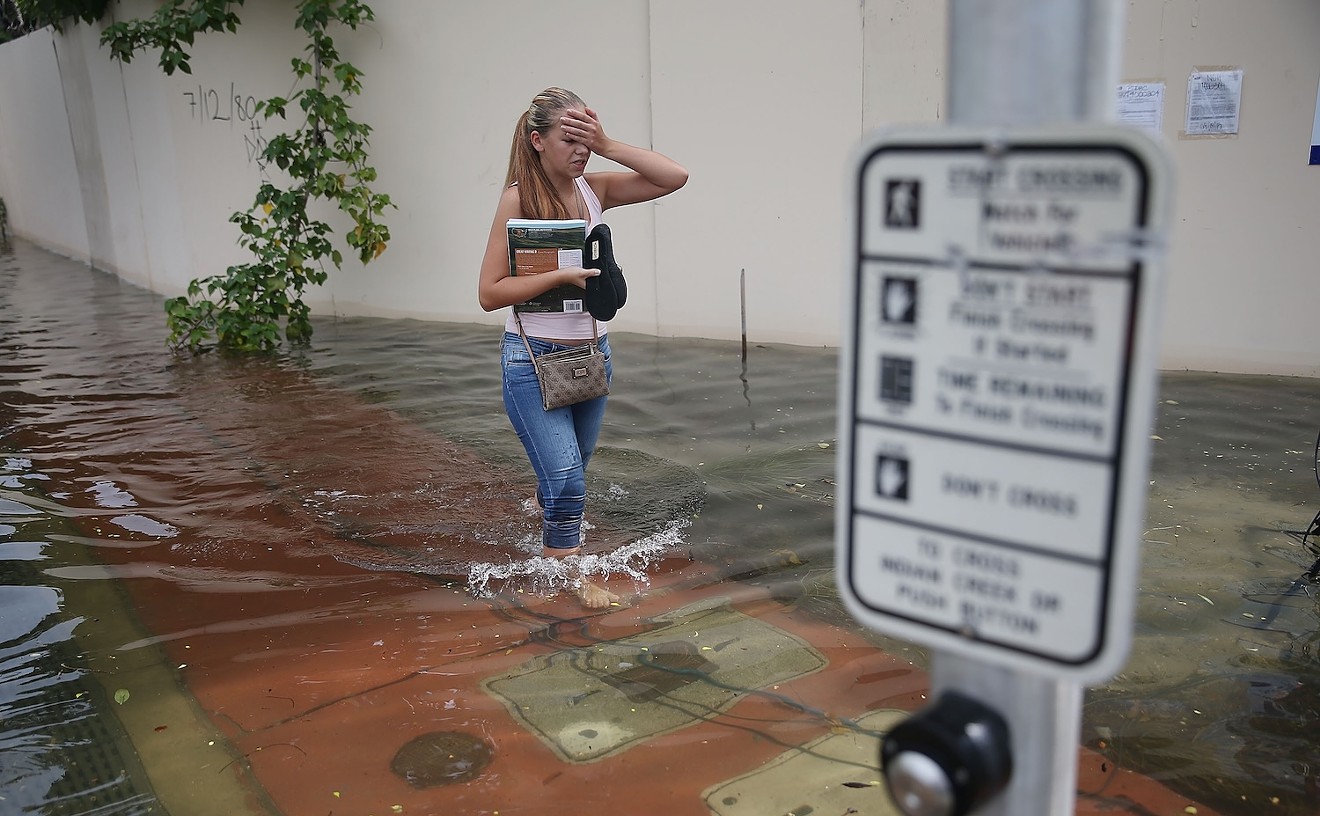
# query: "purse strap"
[[595, 340]]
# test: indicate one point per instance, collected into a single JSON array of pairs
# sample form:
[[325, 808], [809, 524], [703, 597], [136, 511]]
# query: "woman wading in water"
[[547, 178]]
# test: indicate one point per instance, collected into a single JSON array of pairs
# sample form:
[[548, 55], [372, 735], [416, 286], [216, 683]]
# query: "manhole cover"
[[441, 758]]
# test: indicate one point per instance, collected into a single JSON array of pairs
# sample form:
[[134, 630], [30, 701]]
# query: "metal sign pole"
[[1021, 62], [997, 385], [1024, 62]]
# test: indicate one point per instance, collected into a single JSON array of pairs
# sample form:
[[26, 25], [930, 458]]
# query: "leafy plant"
[[173, 26], [324, 158], [19, 17]]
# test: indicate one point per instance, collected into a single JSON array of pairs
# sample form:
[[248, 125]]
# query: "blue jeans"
[[559, 443]]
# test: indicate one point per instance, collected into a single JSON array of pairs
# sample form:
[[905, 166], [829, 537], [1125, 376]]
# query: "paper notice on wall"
[[1141, 104], [1315, 132], [1214, 100]]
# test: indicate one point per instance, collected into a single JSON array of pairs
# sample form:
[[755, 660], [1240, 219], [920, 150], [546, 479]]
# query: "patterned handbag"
[[572, 375]]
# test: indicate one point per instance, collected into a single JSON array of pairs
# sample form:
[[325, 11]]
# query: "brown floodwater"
[[382, 451]]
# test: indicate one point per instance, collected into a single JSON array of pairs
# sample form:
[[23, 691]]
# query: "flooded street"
[[310, 584]]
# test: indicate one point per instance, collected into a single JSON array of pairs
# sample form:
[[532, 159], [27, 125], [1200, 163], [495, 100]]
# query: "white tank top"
[[559, 326]]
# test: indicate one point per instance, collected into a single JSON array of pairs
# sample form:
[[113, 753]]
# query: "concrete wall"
[[1243, 287], [137, 172], [38, 175]]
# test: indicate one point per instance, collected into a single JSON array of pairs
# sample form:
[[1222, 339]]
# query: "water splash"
[[541, 575]]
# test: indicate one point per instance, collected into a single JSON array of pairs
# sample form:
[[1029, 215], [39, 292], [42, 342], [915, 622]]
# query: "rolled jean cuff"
[[562, 534]]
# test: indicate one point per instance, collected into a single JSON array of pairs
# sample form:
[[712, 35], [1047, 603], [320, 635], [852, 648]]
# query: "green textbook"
[[537, 246]]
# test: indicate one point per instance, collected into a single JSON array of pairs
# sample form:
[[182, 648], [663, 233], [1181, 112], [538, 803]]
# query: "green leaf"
[[121, 696]]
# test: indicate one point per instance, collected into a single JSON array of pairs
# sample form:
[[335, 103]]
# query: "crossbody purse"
[[569, 376]]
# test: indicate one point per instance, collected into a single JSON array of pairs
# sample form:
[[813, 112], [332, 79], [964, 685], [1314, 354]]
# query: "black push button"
[[947, 759]]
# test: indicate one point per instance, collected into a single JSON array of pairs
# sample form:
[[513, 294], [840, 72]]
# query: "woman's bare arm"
[[652, 174]]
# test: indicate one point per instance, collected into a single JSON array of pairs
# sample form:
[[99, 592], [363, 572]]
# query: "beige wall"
[[1243, 255], [763, 102], [38, 176]]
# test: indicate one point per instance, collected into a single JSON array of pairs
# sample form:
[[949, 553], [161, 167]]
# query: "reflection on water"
[[1222, 694], [271, 485]]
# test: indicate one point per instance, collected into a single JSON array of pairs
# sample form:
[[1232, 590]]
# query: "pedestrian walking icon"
[[903, 203]]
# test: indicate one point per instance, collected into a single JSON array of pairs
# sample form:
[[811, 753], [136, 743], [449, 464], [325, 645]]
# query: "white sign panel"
[[997, 387], [1315, 132]]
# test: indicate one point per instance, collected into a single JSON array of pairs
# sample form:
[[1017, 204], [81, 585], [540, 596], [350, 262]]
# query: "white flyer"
[[1141, 104], [1214, 100]]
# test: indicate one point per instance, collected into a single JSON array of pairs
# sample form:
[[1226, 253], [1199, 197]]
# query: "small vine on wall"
[[19, 17], [253, 305]]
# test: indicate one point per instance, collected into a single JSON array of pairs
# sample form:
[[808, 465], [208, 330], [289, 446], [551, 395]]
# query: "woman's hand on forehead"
[[582, 125]]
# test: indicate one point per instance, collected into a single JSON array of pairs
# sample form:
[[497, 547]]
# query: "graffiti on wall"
[[212, 106]]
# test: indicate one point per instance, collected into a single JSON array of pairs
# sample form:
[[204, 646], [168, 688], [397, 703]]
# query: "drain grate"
[[62, 750], [65, 753], [101, 771]]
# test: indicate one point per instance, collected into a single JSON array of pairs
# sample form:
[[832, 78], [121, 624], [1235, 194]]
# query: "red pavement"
[[318, 672]]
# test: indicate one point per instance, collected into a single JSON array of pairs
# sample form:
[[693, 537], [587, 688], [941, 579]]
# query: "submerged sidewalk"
[[269, 671]]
